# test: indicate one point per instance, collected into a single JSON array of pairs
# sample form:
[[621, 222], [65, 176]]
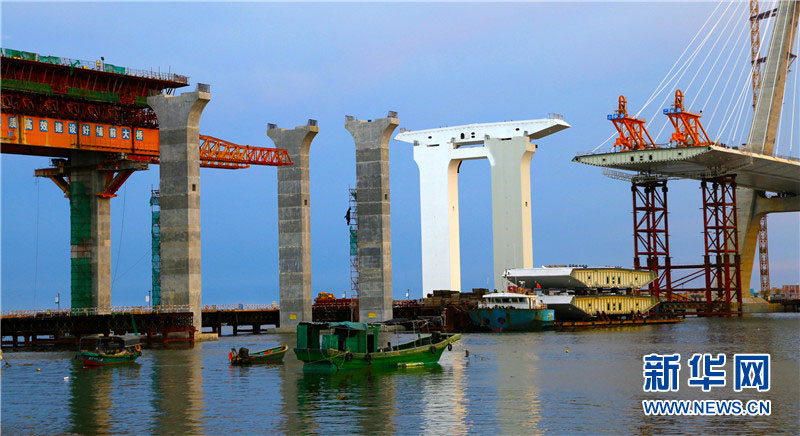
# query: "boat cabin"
[[356, 337], [511, 300], [107, 344]]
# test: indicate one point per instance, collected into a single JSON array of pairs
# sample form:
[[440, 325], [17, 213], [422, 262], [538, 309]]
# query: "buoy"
[[341, 397], [567, 350], [38, 369]]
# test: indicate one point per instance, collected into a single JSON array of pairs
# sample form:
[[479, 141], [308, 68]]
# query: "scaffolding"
[[155, 238], [80, 210], [352, 222], [651, 234]]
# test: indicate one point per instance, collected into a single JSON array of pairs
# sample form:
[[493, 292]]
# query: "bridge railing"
[[234, 307], [98, 65], [741, 148], [97, 311]]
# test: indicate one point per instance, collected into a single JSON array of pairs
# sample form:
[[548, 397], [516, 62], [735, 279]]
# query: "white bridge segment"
[[753, 170], [438, 154]]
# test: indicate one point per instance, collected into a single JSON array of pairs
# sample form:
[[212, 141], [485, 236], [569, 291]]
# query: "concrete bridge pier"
[[374, 218], [510, 160], [179, 142], [90, 233], [751, 206], [441, 249], [294, 224]]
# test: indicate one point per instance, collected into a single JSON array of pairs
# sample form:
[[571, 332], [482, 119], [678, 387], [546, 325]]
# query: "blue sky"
[[437, 65]]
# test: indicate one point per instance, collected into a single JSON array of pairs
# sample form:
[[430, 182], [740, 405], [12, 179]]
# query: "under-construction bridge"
[[734, 178], [94, 120]]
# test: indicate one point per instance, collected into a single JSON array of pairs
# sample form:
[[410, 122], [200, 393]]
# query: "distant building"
[[786, 292]]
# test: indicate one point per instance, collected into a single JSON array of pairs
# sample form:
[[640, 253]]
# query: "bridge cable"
[[36, 247], [685, 70], [719, 76], [713, 67], [658, 87], [725, 87], [121, 232], [710, 51], [794, 96], [667, 76], [781, 127]]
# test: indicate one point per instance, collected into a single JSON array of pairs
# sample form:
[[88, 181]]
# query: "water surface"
[[522, 383]]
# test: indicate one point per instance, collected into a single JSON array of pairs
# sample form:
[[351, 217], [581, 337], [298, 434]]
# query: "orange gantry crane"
[[632, 132], [689, 131]]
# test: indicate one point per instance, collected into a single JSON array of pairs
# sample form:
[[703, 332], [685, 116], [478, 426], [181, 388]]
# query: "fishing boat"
[[510, 311], [352, 345], [97, 350], [244, 357]]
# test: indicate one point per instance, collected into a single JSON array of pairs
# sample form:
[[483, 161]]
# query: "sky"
[[435, 64]]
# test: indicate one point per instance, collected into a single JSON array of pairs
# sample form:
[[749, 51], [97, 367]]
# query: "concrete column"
[[179, 142], [767, 113], [441, 250], [510, 160], [751, 206], [90, 233], [294, 224], [374, 217]]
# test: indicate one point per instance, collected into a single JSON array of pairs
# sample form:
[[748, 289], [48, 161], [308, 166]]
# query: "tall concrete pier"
[[511, 203], [374, 215], [179, 142], [294, 223], [438, 154], [90, 233], [752, 205]]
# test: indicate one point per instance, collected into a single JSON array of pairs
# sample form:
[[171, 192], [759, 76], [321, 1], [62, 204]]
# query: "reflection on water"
[[510, 384], [177, 391]]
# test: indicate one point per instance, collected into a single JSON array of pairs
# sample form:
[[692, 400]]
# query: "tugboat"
[[99, 350], [354, 345], [509, 311]]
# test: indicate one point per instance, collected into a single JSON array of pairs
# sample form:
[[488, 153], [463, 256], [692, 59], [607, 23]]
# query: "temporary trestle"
[[722, 261], [90, 180], [651, 233], [720, 269]]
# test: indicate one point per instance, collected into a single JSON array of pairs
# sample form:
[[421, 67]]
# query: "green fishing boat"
[[97, 350], [352, 345], [244, 357]]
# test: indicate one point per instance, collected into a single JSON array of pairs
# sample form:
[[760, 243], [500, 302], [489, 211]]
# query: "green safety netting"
[[80, 236], [114, 69], [112, 97], [23, 85], [353, 242], [155, 238], [50, 60]]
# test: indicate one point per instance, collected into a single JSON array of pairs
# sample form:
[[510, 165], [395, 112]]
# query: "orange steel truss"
[[689, 132], [224, 154], [632, 133]]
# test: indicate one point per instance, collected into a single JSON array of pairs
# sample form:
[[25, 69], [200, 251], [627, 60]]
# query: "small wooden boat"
[[355, 345], [97, 350], [244, 357]]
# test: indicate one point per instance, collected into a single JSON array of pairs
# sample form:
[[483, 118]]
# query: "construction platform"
[[753, 170], [66, 326]]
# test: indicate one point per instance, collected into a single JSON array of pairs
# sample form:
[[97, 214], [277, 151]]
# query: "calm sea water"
[[510, 384]]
